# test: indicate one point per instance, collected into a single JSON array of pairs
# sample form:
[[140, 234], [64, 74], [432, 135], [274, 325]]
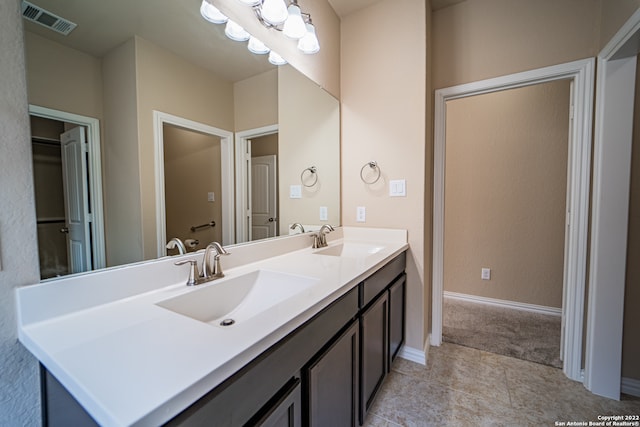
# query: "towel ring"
[[313, 171], [372, 165]]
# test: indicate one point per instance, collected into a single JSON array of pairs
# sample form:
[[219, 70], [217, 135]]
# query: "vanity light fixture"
[[276, 59], [257, 47], [235, 32], [272, 14], [212, 13]]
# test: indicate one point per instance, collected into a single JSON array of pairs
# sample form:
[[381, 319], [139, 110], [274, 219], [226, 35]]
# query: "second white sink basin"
[[351, 250], [238, 298]]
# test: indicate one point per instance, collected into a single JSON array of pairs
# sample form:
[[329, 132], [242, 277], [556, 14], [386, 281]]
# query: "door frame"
[[95, 175], [243, 178], [581, 73], [226, 172], [617, 63]]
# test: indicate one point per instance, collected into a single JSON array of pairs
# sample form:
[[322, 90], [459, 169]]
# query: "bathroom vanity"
[[313, 335]]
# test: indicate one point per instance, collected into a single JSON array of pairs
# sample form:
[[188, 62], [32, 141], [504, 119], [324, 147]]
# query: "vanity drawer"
[[378, 281]]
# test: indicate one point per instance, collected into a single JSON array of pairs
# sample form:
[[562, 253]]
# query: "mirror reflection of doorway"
[[264, 186], [193, 188], [65, 211]]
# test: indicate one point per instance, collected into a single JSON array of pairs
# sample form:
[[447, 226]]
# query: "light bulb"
[[257, 47], [294, 26], [276, 59], [250, 2], [274, 11], [236, 32], [211, 13], [309, 43]]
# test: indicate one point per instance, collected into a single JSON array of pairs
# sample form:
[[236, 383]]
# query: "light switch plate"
[[397, 188], [324, 214], [295, 191]]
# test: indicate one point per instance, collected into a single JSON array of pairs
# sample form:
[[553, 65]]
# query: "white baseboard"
[[541, 309], [630, 386], [415, 355]]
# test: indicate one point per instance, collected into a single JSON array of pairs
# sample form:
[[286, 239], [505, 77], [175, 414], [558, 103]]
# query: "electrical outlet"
[[211, 196], [361, 214], [486, 274]]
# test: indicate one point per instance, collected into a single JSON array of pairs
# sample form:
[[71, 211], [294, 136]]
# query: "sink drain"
[[227, 322]]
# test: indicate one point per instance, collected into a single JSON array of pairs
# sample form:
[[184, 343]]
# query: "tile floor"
[[461, 386]]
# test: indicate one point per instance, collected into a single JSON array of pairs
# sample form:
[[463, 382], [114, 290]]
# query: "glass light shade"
[[236, 32], [276, 59], [257, 47], [294, 26], [309, 43], [211, 13], [274, 11], [250, 2]]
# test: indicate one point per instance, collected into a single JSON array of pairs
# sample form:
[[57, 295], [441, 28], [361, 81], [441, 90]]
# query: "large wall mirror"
[[99, 100]]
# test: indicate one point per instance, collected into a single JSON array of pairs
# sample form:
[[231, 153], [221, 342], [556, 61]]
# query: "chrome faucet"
[[177, 243], [215, 273], [208, 274], [320, 238], [297, 225]]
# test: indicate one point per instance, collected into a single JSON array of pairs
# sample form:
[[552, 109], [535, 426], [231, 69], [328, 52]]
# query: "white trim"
[[610, 209], [630, 386], [581, 73], [226, 151], [95, 174], [415, 355], [514, 305], [243, 183]]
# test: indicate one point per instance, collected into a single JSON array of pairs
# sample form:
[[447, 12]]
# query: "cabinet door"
[[333, 383], [375, 349], [286, 411], [396, 316]]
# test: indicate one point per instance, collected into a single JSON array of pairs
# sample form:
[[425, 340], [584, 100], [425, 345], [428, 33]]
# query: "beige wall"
[[19, 378], [264, 145], [383, 119], [256, 101], [614, 14], [120, 161], [62, 78], [323, 67], [167, 83], [631, 344], [479, 39], [505, 193], [187, 154], [307, 137]]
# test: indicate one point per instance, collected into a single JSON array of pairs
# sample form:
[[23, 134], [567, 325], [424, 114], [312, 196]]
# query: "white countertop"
[[130, 362]]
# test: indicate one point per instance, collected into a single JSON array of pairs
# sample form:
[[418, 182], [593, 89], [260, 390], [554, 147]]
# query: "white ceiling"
[[175, 25]]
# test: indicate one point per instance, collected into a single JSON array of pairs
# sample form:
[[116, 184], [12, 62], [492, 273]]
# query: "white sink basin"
[[351, 250], [238, 298]]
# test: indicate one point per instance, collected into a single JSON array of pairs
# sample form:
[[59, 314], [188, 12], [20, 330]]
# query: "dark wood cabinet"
[[325, 373], [285, 410], [333, 383], [374, 334], [396, 316]]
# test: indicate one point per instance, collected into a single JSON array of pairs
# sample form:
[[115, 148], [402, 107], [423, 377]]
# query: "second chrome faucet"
[[209, 272]]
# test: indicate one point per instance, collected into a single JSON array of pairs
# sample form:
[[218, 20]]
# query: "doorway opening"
[[68, 192], [504, 228], [580, 73], [257, 184], [194, 176]]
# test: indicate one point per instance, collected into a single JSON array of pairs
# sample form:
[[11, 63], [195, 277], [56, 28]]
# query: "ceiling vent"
[[47, 19]]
